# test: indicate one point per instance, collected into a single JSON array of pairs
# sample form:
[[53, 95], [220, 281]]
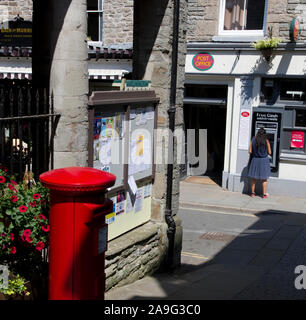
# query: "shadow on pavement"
[[259, 263]]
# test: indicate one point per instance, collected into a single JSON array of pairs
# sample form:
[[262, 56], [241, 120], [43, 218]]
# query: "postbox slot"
[[102, 239]]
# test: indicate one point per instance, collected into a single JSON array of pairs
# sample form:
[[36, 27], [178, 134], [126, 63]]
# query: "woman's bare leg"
[[264, 186], [253, 182]]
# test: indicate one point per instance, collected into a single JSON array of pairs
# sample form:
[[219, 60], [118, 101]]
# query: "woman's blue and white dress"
[[260, 164]]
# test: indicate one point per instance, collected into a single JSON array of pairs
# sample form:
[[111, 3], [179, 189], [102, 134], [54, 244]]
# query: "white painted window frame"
[[100, 11], [222, 32]]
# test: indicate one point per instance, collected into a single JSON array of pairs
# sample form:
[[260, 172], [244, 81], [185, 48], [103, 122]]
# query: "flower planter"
[[267, 53]]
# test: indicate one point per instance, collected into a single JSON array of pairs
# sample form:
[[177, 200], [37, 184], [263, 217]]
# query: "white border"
[[259, 33]]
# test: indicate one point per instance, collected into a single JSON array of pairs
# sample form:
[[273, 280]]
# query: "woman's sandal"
[[252, 194], [266, 195]]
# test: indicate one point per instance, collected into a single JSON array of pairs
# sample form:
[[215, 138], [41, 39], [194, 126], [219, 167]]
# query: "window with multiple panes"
[[291, 93], [243, 16], [95, 19]]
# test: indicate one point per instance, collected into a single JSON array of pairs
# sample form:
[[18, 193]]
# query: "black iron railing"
[[27, 128]]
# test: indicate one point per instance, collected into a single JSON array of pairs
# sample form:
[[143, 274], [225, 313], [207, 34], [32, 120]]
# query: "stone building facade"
[[61, 63], [9, 9], [117, 21], [234, 88], [203, 17]]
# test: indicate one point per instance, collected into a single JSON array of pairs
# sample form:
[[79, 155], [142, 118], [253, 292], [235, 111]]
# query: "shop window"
[[300, 118], [206, 91], [95, 19], [293, 90], [269, 90], [243, 17], [294, 130]]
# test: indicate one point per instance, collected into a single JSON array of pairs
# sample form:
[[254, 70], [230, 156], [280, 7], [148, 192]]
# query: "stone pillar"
[[153, 29], [60, 61]]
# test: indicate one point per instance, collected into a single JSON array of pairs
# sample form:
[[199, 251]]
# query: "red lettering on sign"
[[203, 61]]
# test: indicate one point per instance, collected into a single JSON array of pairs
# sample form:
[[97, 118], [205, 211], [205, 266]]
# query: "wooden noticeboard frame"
[[101, 101]]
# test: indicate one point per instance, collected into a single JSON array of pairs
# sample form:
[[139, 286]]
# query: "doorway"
[[205, 108]]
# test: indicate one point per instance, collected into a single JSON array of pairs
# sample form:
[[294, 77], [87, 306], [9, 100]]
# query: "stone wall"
[[9, 9], [117, 21], [203, 18], [202, 21], [135, 254]]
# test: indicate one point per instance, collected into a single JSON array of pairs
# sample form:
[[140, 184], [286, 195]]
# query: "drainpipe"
[[171, 112]]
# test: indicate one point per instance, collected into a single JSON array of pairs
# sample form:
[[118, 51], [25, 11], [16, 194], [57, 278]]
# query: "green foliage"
[[266, 43], [16, 286], [24, 227]]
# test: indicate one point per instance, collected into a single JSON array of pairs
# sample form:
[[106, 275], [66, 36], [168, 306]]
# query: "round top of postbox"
[[77, 179]]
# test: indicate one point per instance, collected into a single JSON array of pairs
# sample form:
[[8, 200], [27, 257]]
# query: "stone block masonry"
[[117, 21], [203, 18], [135, 254], [9, 9]]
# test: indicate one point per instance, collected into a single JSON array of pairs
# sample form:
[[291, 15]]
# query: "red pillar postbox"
[[78, 233]]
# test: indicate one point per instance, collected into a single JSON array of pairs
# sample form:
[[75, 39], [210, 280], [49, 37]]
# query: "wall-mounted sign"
[[245, 114], [295, 29], [244, 129], [270, 120], [16, 34], [203, 61], [297, 139]]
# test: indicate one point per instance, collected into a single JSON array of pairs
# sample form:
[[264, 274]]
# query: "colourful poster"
[[110, 218], [103, 128], [297, 139], [120, 203], [97, 127], [139, 146], [109, 126]]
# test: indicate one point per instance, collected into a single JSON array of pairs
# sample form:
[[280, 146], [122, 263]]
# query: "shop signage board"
[[270, 120], [244, 129], [203, 61], [16, 34], [297, 139], [295, 29]]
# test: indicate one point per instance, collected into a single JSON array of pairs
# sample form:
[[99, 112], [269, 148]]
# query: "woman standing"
[[260, 164]]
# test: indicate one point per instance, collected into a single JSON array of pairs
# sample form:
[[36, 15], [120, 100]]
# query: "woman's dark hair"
[[261, 138]]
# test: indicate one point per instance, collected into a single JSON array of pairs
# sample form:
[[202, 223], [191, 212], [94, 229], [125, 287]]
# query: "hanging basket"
[[267, 53]]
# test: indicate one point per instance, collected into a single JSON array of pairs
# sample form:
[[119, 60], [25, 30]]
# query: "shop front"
[[252, 93]]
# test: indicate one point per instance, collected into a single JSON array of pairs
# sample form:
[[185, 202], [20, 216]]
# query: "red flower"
[[14, 183], [46, 228], [23, 209], [36, 196], [12, 236], [41, 216], [32, 204], [14, 199], [12, 187], [40, 245], [26, 235], [2, 179], [13, 250]]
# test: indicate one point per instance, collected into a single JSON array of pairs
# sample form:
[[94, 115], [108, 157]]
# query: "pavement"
[[244, 249]]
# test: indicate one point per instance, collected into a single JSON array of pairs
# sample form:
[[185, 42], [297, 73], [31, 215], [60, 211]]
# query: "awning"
[[109, 69], [15, 75], [107, 75], [15, 68]]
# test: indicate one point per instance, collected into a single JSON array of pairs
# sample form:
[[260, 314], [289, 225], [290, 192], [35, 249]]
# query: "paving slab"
[[258, 264]]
